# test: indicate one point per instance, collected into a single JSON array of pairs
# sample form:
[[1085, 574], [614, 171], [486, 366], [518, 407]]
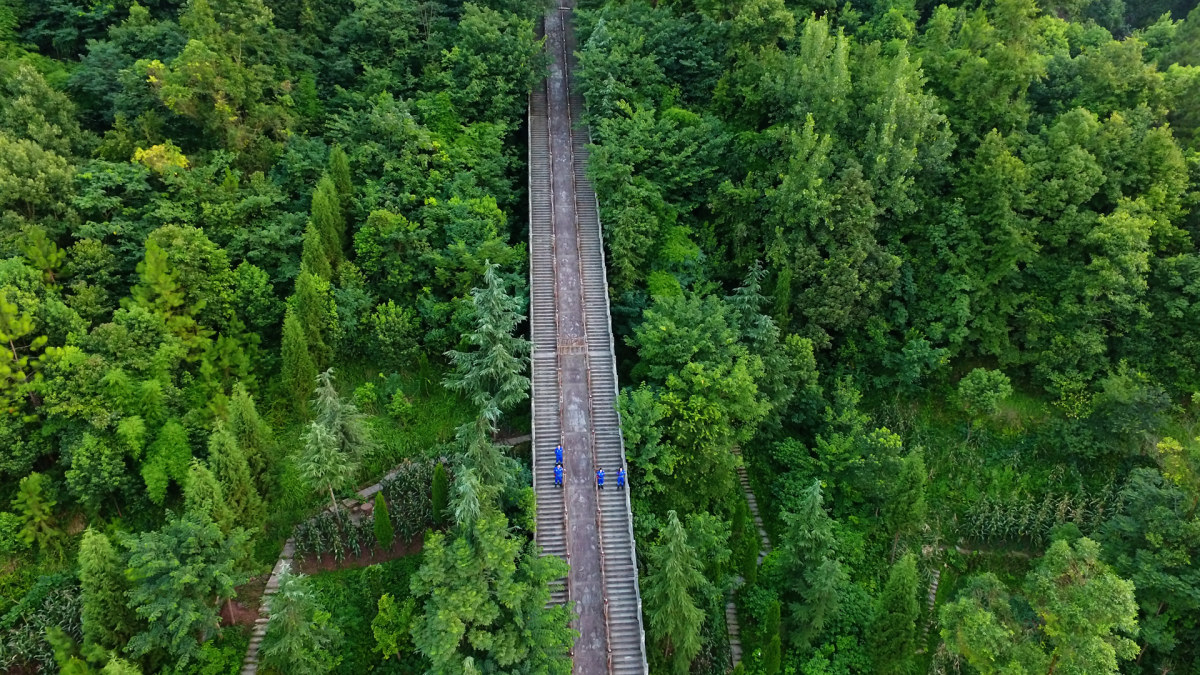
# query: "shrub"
[[384, 533]]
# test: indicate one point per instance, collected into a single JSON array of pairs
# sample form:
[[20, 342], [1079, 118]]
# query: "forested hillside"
[[932, 269], [254, 255]]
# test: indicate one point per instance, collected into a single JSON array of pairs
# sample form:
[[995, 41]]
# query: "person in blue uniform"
[[600, 478], [558, 475], [621, 478], [558, 455]]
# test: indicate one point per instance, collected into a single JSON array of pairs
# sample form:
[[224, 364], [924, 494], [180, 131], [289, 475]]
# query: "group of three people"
[[558, 471]]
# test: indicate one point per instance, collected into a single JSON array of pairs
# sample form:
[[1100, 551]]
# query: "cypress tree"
[[441, 494], [773, 652], [893, 634], [299, 371], [203, 498], [328, 217], [317, 314], [107, 621], [674, 573], [384, 533], [904, 510], [232, 472], [253, 434], [315, 257], [339, 172]]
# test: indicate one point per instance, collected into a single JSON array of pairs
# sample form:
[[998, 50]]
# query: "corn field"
[[1022, 517]]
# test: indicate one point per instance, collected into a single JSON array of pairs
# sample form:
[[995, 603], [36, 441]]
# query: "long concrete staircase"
[[575, 379]]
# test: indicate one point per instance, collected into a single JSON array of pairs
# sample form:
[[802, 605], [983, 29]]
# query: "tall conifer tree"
[[893, 636], [667, 591], [299, 371], [107, 621], [493, 374]]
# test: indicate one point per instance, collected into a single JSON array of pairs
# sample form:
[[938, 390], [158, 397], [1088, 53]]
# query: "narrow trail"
[[731, 618], [575, 378]]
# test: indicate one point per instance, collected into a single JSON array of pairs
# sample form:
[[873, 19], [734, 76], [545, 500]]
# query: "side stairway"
[[575, 378]]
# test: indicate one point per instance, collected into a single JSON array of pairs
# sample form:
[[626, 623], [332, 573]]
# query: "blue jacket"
[[558, 454], [558, 473], [600, 477]]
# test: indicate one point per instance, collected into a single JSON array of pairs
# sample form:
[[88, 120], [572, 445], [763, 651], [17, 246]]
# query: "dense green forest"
[[254, 255], [927, 271], [932, 269]]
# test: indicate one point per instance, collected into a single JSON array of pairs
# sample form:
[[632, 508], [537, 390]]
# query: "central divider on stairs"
[[575, 379]]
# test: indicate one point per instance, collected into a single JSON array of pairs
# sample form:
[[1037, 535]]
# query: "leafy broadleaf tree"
[[300, 637], [392, 627], [1084, 614], [492, 375], [177, 575], [893, 634], [668, 593]]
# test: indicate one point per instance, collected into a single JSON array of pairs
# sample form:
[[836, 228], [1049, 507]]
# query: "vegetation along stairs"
[[731, 620], [575, 379]]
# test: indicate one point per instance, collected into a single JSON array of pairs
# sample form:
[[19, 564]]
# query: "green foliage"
[[299, 369], [107, 621], [492, 376], [35, 507], [299, 635], [329, 220], [1085, 613], [668, 590], [395, 334], [175, 575], [893, 633], [232, 472], [981, 391], [392, 627], [384, 533], [441, 492], [483, 595]]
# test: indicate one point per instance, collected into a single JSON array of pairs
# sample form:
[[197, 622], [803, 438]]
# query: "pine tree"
[[341, 417], [329, 220], [315, 310], [904, 511], [35, 507], [203, 497], [773, 652], [232, 472], [300, 636], [506, 625], [322, 463], [385, 535], [107, 622], [315, 258], [254, 435], [817, 577], [158, 290], [299, 371], [674, 574], [177, 575], [492, 375], [339, 172], [441, 494], [893, 635]]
